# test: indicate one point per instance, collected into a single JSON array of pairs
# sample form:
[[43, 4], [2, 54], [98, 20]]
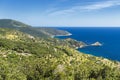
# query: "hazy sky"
[[62, 12]]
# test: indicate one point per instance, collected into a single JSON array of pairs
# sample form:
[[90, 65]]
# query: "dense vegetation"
[[27, 57]]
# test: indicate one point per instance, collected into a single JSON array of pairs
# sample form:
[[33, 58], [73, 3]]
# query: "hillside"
[[53, 31], [25, 57], [38, 32], [9, 23]]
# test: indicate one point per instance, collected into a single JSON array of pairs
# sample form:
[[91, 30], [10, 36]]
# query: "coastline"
[[69, 34]]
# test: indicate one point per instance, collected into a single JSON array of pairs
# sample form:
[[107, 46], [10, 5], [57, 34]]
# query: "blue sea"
[[109, 37]]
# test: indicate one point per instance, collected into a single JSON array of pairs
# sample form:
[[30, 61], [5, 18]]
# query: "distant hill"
[[52, 31], [9, 23], [38, 32]]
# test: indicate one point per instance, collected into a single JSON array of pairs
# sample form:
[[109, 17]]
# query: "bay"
[[108, 36]]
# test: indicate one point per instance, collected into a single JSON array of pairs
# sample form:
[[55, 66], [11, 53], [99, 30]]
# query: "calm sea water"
[[109, 37]]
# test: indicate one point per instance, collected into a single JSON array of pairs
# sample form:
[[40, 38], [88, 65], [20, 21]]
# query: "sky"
[[62, 13]]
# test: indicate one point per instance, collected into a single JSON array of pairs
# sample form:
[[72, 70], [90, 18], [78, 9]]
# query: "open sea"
[[109, 37]]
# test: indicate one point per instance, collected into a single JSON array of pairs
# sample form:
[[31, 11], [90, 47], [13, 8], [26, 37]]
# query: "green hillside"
[[27, 57], [12, 23], [24, 57], [38, 32], [52, 31]]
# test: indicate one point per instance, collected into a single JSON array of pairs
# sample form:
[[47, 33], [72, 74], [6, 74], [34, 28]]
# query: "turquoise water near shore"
[[109, 37]]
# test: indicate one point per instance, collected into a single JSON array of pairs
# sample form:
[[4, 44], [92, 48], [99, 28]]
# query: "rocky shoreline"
[[96, 44], [77, 44], [69, 34]]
